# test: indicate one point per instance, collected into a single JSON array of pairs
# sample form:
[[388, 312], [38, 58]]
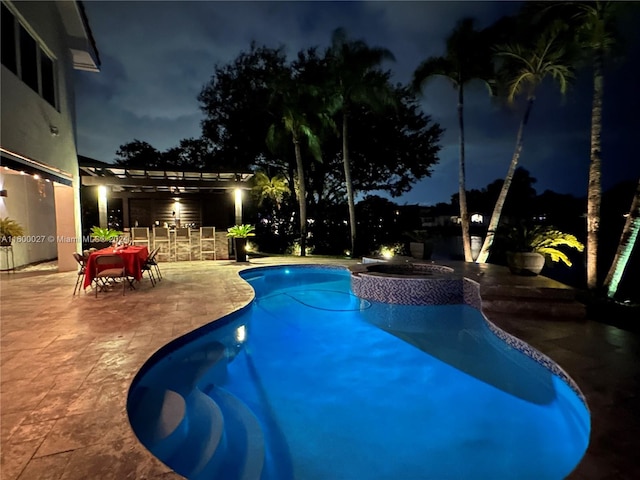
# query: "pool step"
[[205, 435], [179, 423], [244, 453], [159, 420]]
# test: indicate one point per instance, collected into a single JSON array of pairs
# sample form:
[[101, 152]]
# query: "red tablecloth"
[[134, 258]]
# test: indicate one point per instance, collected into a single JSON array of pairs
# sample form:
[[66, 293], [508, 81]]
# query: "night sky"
[[156, 57]]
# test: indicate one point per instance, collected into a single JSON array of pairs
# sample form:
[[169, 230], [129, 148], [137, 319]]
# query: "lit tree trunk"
[[464, 212], [349, 184], [302, 196], [595, 189], [625, 247], [497, 210]]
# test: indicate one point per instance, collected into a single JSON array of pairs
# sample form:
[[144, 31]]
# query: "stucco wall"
[[31, 203]]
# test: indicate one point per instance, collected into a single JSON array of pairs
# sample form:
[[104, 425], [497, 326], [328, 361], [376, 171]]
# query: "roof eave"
[[79, 36]]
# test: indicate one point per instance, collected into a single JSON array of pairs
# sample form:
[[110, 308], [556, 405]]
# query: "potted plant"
[[527, 249], [8, 229], [420, 244], [104, 236], [240, 233]]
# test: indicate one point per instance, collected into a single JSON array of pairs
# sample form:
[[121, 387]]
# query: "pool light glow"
[[241, 333]]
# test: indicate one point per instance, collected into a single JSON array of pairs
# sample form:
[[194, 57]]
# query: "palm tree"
[[625, 247], [301, 116], [274, 188], [595, 22], [594, 26], [357, 81], [524, 70], [467, 58]]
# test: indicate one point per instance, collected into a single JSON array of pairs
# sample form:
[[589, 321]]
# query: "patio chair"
[[110, 268], [161, 237], [208, 241], [149, 265], [81, 271], [140, 236], [183, 236], [153, 261]]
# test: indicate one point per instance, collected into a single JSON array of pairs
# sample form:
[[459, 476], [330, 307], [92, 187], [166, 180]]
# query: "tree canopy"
[[236, 105]]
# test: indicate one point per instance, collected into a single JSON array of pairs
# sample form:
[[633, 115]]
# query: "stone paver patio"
[[67, 363]]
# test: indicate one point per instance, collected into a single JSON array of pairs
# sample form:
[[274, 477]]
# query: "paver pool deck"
[[66, 364]]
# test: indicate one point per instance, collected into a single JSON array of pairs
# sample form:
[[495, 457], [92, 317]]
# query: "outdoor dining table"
[[133, 257]]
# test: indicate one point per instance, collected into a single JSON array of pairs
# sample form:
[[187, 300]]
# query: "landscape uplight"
[[386, 252]]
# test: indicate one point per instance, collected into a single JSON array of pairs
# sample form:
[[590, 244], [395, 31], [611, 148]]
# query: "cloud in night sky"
[[157, 56]]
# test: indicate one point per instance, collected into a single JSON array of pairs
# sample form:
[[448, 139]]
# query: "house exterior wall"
[[27, 118], [41, 133], [31, 203]]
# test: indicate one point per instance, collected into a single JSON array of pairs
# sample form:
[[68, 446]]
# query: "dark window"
[[48, 82], [8, 40], [114, 213], [28, 59]]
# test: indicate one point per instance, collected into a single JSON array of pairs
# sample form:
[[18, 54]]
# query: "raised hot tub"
[[409, 283]]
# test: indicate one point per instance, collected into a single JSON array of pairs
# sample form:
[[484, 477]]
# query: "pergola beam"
[[202, 194], [160, 182]]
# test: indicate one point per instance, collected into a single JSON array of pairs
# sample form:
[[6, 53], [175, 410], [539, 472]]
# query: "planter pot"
[[100, 245], [240, 246], [525, 263]]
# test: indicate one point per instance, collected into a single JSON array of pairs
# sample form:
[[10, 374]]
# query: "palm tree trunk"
[[347, 179], [302, 196], [464, 212], [497, 210], [595, 188], [625, 247]]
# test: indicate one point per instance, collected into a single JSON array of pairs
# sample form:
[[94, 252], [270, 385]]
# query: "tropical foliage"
[[105, 234], [241, 231], [545, 240], [273, 189], [10, 228]]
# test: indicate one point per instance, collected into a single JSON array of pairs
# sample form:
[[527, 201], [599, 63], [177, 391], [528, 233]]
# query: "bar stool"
[[183, 235], [161, 237], [208, 241], [140, 236]]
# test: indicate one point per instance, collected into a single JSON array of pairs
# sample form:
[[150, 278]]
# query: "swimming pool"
[[311, 382]]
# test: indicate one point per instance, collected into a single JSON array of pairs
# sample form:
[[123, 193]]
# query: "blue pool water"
[[311, 382]]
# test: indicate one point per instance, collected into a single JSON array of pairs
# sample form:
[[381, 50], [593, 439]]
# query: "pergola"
[[163, 190]]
